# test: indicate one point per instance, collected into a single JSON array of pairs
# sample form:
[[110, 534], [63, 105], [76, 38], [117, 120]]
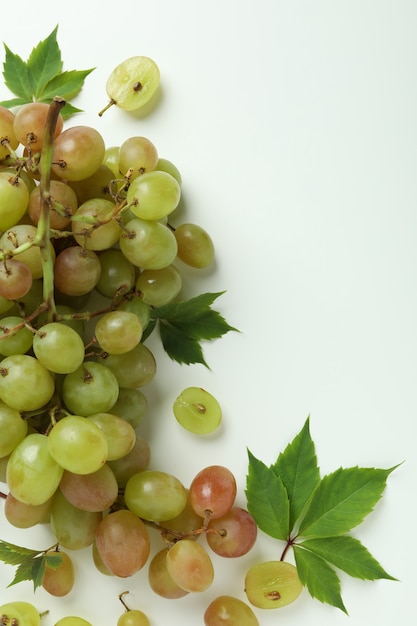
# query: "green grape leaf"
[[297, 467], [348, 554], [40, 78], [318, 577], [13, 554], [342, 500], [30, 563], [184, 324], [267, 499]]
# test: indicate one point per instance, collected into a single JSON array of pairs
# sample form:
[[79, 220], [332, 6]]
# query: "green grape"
[[5, 305], [25, 384], [78, 445], [132, 369], [133, 617], [117, 273], [118, 332], [59, 581], [78, 153], [123, 543], [14, 199], [13, 429], [72, 322], [164, 165], [229, 611], [148, 244], [21, 515], [22, 234], [190, 566], [195, 246], [136, 305], [111, 160], [3, 468], [131, 405], [92, 388], [15, 279], [159, 287], [11, 614], [137, 155], [98, 561], [197, 410], [155, 495], [241, 532], [58, 347], [33, 475], [90, 492], [160, 579], [213, 491], [71, 620], [16, 342], [137, 460], [7, 132], [99, 185], [120, 435], [73, 528], [30, 614], [272, 584], [153, 195], [132, 83], [103, 233]]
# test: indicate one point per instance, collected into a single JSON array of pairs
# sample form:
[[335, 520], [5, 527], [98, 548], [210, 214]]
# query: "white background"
[[293, 124]]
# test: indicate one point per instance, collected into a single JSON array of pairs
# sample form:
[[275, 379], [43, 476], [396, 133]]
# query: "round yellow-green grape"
[[197, 410], [229, 611], [73, 621], [24, 614], [272, 584], [133, 617], [132, 83]]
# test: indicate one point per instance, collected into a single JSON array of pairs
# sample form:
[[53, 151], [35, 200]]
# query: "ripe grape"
[[78, 153], [153, 195], [59, 581], [148, 244], [90, 492], [76, 271], [131, 405], [213, 491], [272, 584], [229, 611], [12, 427], [15, 338], [164, 165], [73, 528], [15, 279], [103, 233], [190, 566], [7, 132], [160, 579], [123, 543], [25, 384], [63, 204], [120, 435], [92, 388], [132, 369], [22, 234], [117, 273], [29, 125], [58, 347], [72, 620], [118, 332], [14, 198], [137, 460], [133, 83], [78, 445], [195, 246], [240, 533], [138, 154], [133, 617], [155, 495], [101, 184], [159, 287], [197, 410], [21, 515]]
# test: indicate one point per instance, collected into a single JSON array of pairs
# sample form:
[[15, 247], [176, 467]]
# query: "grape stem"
[[290, 542], [3, 495]]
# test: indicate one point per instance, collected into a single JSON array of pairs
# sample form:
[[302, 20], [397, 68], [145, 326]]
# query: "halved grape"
[[197, 410], [132, 83], [272, 584]]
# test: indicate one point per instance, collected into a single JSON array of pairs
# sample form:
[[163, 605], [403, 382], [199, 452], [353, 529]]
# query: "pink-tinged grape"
[[14, 199], [240, 533], [17, 341], [78, 445], [229, 611], [164, 165], [59, 581], [213, 491], [117, 273], [197, 410], [59, 348], [21, 515], [159, 287], [123, 543], [195, 246], [120, 435], [272, 584], [132, 369], [160, 579], [33, 475], [132, 83], [29, 125], [64, 203], [72, 620], [153, 195], [131, 405], [137, 460], [15, 279], [93, 225], [118, 332], [92, 388], [22, 234], [133, 617], [7, 132], [137, 154], [90, 492], [30, 302], [73, 528], [148, 244], [190, 566], [155, 495], [78, 153], [13, 429], [76, 271], [25, 384]]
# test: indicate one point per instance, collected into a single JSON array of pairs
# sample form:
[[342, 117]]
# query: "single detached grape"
[[24, 613], [197, 410], [133, 617], [229, 611], [132, 83], [195, 246], [59, 581], [72, 621], [272, 584]]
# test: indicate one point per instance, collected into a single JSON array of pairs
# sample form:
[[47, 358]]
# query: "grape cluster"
[[80, 220]]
